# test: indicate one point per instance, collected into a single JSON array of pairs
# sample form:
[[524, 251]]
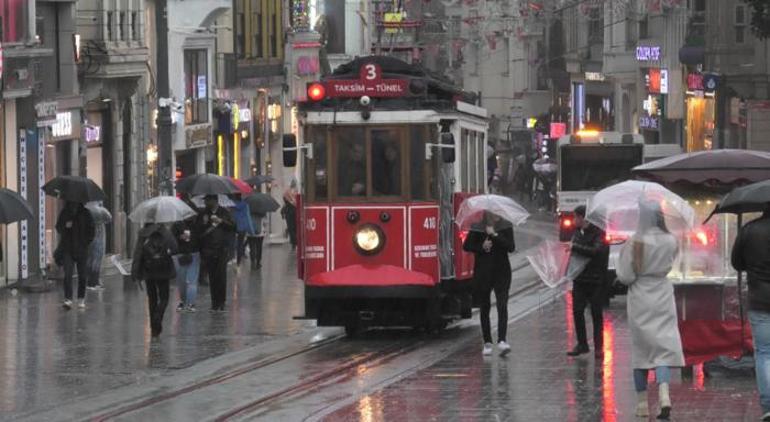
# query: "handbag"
[[185, 259]]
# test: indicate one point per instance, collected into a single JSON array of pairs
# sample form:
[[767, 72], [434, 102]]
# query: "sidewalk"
[[538, 382]]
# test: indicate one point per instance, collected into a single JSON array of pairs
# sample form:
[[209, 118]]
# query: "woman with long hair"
[[491, 240], [643, 265]]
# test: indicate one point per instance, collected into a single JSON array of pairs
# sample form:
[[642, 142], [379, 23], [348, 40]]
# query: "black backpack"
[[155, 255]]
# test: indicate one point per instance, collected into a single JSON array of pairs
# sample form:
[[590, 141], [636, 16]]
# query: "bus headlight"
[[369, 239]]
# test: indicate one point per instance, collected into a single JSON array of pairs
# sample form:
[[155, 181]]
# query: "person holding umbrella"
[[77, 230], [101, 217], [289, 212], [153, 264], [244, 226], [644, 262], [491, 240], [259, 205], [215, 226]]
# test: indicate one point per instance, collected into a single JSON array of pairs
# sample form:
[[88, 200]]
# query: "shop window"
[[14, 19], [740, 24], [196, 86]]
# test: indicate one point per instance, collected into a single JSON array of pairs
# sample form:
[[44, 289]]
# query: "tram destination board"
[[370, 83]]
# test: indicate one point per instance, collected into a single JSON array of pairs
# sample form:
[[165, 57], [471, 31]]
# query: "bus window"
[[423, 183], [317, 174], [351, 161], [386, 162]]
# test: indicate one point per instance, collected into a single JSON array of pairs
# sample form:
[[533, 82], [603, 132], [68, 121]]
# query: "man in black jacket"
[[76, 230], [751, 253], [590, 286], [215, 226]]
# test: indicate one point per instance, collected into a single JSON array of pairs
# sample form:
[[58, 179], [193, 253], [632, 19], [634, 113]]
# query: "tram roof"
[[439, 94]]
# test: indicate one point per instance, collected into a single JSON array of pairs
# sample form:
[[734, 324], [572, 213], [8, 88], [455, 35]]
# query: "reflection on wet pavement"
[[49, 356], [538, 382]]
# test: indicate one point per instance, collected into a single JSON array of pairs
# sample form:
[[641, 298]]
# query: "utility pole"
[[165, 150]]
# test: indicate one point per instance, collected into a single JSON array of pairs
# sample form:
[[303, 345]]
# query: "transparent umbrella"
[[472, 211], [222, 200], [553, 262], [616, 209], [161, 209]]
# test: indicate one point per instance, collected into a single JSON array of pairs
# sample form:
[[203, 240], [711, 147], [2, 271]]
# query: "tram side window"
[[481, 160], [386, 162], [464, 160], [351, 162], [317, 183], [422, 174], [472, 161]]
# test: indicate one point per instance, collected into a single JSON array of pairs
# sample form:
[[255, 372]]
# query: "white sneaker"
[[67, 304], [487, 349], [82, 303], [504, 348]]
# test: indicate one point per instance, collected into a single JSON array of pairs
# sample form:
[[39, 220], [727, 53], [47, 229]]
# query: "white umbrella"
[[472, 211], [617, 208], [161, 209], [223, 200], [555, 264]]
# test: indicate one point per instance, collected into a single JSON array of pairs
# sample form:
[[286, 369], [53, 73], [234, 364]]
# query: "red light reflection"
[[608, 373]]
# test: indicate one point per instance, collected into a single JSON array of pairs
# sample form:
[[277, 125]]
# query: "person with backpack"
[[154, 265]]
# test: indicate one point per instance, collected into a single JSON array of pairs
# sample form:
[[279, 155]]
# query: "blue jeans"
[[760, 329], [187, 278], [662, 376]]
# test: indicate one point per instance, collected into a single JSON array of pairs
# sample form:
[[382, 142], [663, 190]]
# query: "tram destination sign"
[[370, 83]]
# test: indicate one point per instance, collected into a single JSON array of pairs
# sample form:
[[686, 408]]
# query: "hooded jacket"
[[138, 269], [589, 242], [76, 238], [751, 253], [492, 266]]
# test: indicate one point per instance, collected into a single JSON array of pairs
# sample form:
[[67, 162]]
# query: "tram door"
[[445, 189]]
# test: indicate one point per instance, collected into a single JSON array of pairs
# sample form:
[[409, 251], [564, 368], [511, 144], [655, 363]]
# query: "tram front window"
[[351, 159], [386, 163]]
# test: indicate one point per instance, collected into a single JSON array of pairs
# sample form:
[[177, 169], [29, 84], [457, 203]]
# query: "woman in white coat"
[[643, 265]]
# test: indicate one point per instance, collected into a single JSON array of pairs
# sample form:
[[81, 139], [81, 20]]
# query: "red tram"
[[388, 153]]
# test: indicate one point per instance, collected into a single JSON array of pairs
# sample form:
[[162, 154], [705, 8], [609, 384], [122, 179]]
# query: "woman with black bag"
[[491, 240], [153, 264], [187, 263]]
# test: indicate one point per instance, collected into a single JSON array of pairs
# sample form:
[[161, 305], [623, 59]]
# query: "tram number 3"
[[310, 224], [371, 72], [429, 223]]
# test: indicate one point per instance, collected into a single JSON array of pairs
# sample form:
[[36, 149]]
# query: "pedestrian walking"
[[751, 253], [255, 241], [644, 262], [101, 217], [244, 226], [289, 212], [215, 227], [187, 262], [590, 287], [491, 241], [153, 265], [76, 228]]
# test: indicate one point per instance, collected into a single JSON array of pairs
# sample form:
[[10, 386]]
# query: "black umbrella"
[[261, 203], [259, 179], [207, 184], [74, 189], [13, 207], [750, 198]]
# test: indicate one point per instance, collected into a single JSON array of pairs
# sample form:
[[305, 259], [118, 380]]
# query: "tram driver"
[[352, 180]]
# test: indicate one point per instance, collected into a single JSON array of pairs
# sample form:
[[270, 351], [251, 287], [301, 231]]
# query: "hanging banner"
[[24, 229], [41, 200]]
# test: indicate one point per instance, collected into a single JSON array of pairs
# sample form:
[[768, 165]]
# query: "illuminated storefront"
[[701, 116]]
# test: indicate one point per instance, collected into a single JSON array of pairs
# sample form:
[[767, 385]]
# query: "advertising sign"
[[664, 81], [654, 80], [370, 83]]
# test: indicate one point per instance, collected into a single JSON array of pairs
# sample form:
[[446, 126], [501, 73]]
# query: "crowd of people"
[[193, 251]]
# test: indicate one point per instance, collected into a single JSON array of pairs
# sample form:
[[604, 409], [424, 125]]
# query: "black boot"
[[580, 349]]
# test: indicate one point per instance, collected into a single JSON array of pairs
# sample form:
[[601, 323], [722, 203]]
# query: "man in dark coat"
[[491, 241], [751, 253], [215, 227], [589, 288], [153, 264], [77, 230]]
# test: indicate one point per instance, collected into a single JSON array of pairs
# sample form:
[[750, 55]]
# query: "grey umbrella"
[[261, 203], [13, 207], [74, 189], [161, 209], [259, 179], [207, 184]]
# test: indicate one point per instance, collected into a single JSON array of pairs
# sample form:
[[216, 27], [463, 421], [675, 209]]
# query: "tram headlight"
[[369, 239]]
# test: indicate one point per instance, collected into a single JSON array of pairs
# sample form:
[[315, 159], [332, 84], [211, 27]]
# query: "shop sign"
[[46, 113], [648, 122], [92, 134], [695, 82], [654, 80], [370, 83], [245, 114], [595, 76], [24, 258], [308, 65], [63, 126], [558, 130], [199, 136], [664, 81], [202, 86], [648, 53], [710, 82]]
